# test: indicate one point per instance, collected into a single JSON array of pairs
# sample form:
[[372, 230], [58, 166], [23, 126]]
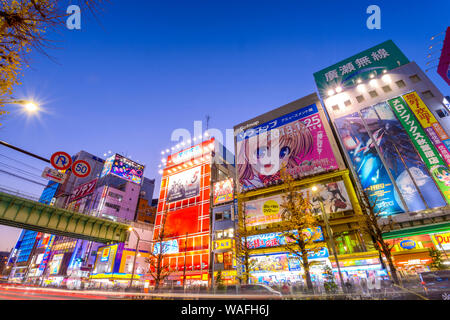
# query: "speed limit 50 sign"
[[81, 168]]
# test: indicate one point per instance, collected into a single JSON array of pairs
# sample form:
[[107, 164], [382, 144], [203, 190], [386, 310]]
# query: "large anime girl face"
[[264, 154]]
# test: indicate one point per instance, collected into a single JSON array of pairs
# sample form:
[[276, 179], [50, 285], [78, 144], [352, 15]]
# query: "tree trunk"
[[388, 256], [309, 283]]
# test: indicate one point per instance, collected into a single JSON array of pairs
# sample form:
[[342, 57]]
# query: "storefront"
[[411, 247], [355, 268]]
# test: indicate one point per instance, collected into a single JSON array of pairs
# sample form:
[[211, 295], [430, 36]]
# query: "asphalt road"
[[26, 293]]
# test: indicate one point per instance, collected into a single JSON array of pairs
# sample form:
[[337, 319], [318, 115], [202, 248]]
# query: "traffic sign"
[[61, 160], [54, 175], [81, 168]]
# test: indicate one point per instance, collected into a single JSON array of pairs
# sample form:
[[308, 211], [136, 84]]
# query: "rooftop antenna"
[[207, 121]]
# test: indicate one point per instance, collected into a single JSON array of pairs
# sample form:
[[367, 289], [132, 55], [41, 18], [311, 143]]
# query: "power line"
[[23, 178], [25, 164], [20, 170]]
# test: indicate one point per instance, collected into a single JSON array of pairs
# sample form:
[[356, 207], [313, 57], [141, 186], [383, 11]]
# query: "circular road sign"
[[81, 168], [61, 160]]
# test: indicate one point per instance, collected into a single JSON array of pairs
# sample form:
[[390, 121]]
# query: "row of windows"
[[387, 88]]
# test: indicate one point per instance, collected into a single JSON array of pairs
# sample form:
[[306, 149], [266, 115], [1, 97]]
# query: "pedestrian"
[[348, 286]]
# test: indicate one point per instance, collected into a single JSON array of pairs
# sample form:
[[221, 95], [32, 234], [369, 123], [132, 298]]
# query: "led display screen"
[[124, 168]]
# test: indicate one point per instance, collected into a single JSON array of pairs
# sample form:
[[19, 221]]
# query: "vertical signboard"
[[438, 168], [432, 127]]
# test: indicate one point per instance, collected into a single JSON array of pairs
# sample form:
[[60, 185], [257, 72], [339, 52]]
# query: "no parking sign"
[[81, 168]]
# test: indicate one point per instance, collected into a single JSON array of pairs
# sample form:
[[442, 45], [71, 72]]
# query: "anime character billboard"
[[375, 128], [296, 140]]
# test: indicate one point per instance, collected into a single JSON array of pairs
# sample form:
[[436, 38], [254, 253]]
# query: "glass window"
[[348, 242], [219, 258]]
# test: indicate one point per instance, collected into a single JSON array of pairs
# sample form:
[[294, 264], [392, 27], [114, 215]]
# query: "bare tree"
[[298, 222], [24, 26], [159, 267], [370, 223]]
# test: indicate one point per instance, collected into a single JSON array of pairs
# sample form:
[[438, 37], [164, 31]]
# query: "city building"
[[114, 263], [3, 262], [224, 219], [146, 211], [184, 209], [19, 259], [298, 137], [379, 95]]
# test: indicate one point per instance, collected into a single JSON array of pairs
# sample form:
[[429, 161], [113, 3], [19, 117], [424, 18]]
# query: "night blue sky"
[[151, 67]]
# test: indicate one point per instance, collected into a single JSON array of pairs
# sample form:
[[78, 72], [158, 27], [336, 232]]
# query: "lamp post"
[[330, 234], [135, 255]]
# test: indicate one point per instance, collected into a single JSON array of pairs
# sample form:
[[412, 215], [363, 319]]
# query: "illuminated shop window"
[[348, 242], [218, 258], [228, 260]]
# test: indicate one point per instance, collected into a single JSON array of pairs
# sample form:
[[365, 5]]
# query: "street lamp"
[[29, 105], [329, 232]]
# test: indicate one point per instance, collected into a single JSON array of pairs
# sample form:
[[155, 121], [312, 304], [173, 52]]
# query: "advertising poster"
[[105, 254], [367, 164], [223, 191], [268, 210], [403, 162], [276, 239], [168, 247], [184, 185], [428, 121], [441, 240], [56, 263], [438, 168], [299, 138], [283, 261]]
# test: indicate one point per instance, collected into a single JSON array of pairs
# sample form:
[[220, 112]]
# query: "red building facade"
[[185, 199]]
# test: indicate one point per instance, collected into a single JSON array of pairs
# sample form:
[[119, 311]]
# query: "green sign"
[[430, 156], [385, 56]]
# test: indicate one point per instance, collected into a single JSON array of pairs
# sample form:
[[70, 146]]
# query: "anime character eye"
[[285, 151], [261, 152]]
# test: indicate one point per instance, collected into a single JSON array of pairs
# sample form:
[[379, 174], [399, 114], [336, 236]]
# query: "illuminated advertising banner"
[[105, 254], [404, 164], [123, 168], [269, 240], [168, 247], [283, 261], [444, 61], [411, 243], [438, 168], [184, 185], [47, 251], [269, 210], [223, 191], [106, 257], [301, 140], [441, 240], [432, 127], [83, 190], [56, 263], [385, 56]]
